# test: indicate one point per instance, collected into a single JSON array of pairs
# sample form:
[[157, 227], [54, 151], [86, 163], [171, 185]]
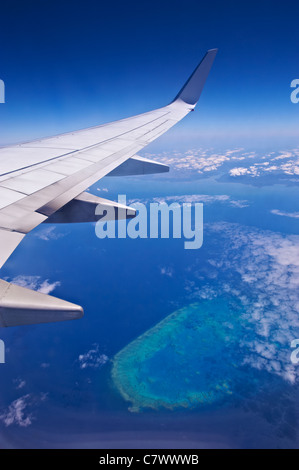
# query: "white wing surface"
[[45, 180]]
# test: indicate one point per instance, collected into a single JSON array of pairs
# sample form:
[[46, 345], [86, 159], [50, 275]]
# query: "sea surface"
[[177, 348]]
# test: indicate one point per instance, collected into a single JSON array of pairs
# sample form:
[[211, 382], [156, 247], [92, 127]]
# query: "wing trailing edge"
[[21, 306], [139, 166], [90, 208], [9, 240]]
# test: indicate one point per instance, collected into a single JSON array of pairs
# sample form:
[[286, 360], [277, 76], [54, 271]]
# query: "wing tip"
[[191, 91], [22, 306]]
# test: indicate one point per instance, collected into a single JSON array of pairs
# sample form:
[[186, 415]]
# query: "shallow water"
[[196, 348]]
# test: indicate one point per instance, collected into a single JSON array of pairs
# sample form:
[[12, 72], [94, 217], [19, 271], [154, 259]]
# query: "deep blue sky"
[[73, 64]]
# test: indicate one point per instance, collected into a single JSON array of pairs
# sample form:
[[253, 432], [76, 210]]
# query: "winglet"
[[192, 89]]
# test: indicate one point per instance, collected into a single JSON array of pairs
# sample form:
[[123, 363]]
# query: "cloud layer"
[[252, 164], [260, 269]]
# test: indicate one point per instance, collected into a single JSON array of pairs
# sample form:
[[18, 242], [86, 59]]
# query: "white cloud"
[[195, 198], [285, 162], [240, 204], [35, 283], [261, 269], [205, 161], [92, 358], [282, 156], [49, 233], [17, 412], [238, 171], [294, 215], [167, 271], [105, 190], [199, 160], [19, 383]]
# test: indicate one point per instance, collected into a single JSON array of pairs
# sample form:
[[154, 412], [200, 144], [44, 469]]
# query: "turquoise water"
[[191, 358]]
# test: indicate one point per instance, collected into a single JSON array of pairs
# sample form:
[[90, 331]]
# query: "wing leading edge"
[[41, 178]]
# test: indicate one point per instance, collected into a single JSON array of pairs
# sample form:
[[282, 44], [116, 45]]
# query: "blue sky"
[[73, 64]]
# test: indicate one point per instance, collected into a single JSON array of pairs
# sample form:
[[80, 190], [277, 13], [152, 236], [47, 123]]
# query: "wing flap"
[[139, 166], [8, 243]]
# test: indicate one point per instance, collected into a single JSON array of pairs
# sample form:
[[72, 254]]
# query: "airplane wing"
[[45, 180]]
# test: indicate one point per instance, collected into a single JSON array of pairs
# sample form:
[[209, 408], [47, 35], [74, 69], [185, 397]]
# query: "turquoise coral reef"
[[186, 360]]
